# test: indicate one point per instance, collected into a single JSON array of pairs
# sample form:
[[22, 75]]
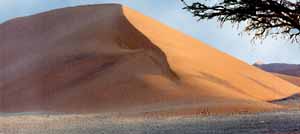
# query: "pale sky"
[[170, 13]]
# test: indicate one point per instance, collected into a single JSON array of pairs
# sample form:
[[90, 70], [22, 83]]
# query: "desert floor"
[[279, 122]]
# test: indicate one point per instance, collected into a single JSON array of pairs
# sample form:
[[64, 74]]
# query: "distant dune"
[[110, 58], [281, 68]]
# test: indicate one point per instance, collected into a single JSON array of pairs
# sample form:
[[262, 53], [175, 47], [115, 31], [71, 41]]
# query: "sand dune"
[[110, 58], [293, 79]]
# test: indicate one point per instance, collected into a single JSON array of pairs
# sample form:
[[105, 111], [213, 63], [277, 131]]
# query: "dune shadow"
[[290, 100], [44, 90], [135, 39]]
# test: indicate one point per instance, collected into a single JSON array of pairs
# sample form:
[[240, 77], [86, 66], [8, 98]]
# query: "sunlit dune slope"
[[110, 58], [293, 79]]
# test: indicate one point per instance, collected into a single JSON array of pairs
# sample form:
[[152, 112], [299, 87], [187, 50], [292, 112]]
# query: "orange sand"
[[293, 79]]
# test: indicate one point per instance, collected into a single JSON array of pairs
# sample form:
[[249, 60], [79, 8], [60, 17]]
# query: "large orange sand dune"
[[109, 58]]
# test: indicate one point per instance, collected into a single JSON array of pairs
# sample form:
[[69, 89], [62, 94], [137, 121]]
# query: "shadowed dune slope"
[[110, 58]]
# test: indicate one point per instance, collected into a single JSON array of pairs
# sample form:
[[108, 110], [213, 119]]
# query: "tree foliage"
[[263, 17]]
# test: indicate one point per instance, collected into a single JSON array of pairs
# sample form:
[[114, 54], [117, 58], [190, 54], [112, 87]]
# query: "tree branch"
[[263, 17]]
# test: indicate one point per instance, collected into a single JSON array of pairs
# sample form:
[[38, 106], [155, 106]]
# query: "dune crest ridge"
[[110, 58]]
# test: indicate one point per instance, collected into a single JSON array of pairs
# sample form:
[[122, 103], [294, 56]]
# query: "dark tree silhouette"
[[262, 17]]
